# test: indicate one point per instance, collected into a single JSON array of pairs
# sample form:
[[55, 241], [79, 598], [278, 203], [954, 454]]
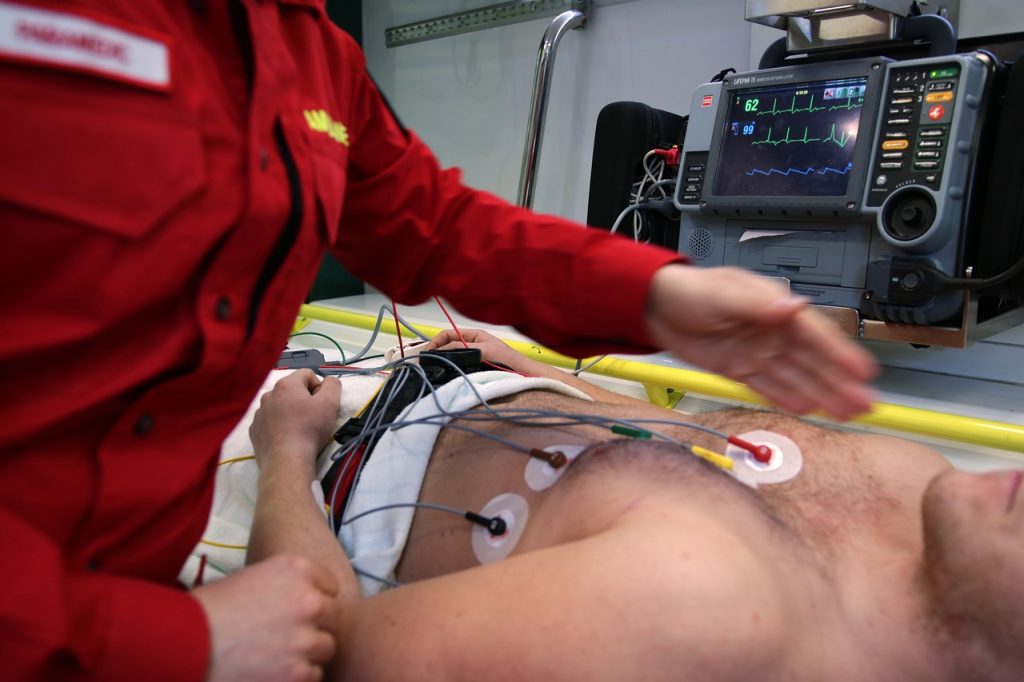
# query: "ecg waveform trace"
[[841, 141], [810, 108], [802, 171]]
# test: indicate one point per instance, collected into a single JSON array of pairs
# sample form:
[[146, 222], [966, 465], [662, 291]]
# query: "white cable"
[[622, 216], [637, 216], [647, 171], [577, 372], [649, 174]]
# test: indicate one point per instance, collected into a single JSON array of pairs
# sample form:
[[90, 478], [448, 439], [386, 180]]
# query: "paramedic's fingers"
[[842, 394], [725, 319], [271, 621], [786, 388], [292, 424], [785, 368]]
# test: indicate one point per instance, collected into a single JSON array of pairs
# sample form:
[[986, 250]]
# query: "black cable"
[[995, 280], [720, 76]]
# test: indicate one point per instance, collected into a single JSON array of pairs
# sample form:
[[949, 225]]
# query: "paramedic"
[[172, 173]]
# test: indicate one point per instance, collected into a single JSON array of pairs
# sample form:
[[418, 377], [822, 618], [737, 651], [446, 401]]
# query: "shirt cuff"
[[156, 633], [609, 300]]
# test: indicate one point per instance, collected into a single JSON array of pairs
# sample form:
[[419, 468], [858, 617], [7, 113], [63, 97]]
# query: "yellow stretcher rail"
[[951, 427]]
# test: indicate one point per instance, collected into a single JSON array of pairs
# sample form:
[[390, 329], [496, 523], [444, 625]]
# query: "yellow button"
[[939, 97], [895, 144]]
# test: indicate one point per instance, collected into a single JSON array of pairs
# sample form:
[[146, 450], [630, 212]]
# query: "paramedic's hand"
[[492, 349], [294, 421], [750, 329], [271, 621]]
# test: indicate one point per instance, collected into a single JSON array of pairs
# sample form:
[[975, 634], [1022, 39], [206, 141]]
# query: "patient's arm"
[[290, 428], [496, 350], [620, 605]]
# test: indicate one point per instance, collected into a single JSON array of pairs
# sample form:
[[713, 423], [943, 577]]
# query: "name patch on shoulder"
[[83, 43]]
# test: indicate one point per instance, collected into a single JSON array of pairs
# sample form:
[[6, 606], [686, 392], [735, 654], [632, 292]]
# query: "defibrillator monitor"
[[789, 138], [849, 179]]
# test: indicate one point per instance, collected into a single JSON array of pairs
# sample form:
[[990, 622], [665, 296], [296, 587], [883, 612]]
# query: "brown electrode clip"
[[556, 459]]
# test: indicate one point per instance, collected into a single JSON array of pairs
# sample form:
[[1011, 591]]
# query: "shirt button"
[[223, 308], [144, 425], [92, 565], [264, 159]]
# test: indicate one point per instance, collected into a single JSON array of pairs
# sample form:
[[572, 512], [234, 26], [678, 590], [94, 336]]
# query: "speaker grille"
[[700, 244]]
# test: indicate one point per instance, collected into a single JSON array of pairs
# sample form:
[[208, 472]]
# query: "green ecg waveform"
[[810, 108], [840, 141]]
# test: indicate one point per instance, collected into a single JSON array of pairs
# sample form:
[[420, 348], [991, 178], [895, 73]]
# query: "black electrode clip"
[[495, 525]]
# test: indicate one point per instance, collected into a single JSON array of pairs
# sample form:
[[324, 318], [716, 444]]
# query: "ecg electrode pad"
[[514, 511], [784, 465], [540, 475]]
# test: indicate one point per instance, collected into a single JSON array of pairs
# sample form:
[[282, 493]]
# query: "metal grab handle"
[[539, 101]]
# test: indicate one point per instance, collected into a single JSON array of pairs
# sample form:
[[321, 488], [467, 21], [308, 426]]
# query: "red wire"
[[504, 369], [398, 328], [452, 322], [463, 339]]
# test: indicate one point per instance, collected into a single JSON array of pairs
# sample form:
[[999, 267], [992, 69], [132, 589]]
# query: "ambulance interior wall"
[[468, 97]]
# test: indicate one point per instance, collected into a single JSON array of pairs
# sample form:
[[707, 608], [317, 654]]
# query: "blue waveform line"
[[810, 169]]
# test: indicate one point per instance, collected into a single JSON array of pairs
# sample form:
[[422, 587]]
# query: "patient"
[[877, 562]]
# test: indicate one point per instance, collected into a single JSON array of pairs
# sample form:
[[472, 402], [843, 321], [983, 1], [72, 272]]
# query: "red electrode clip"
[[762, 453]]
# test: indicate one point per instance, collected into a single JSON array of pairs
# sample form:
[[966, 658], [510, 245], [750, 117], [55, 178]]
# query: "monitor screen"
[[796, 139]]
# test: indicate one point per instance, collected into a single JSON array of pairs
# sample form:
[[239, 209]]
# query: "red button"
[[936, 112]]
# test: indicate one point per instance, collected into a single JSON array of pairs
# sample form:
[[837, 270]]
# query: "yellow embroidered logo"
[[320, 121]]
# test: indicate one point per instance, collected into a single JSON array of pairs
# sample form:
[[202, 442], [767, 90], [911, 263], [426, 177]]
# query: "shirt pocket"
[[106, 156], [329, 160]]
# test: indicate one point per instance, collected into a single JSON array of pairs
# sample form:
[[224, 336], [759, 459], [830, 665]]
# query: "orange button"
[[939, 97], [895, 144]]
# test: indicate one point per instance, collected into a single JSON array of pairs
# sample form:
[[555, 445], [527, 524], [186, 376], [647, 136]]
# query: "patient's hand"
[[295, 420], [750, 329], [491, 347]]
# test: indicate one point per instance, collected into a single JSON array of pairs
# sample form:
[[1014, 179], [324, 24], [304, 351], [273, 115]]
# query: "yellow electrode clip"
[[720, 461]]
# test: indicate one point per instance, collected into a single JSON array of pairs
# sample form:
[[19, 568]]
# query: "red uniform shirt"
[[171, 175]]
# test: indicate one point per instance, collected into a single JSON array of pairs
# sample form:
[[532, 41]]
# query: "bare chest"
[[851, 487]]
